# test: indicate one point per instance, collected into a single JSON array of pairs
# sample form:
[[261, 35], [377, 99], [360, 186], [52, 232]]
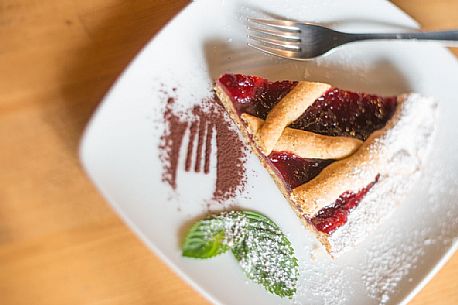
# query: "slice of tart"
[[342, 159]]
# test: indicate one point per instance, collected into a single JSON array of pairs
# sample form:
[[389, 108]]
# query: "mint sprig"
[[209, 237], [263, 251]]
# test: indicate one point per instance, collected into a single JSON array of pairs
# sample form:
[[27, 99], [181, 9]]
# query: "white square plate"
[[120, 149]]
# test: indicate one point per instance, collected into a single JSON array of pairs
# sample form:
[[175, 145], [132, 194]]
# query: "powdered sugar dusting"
[[444, 187], [264, 259], [232, 223], [262, 250], [399, 153], [386, 266], [326, 281]]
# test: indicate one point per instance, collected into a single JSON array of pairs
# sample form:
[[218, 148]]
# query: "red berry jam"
[[336, 113], [330, 218], [295, 170], [344, 113], [254, 95]]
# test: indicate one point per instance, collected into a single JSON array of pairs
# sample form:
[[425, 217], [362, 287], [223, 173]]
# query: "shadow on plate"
[[379, 77]]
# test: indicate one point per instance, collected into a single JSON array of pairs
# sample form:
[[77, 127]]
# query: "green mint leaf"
[[214, 235], [263, 251], [205, 239], [266, 255]]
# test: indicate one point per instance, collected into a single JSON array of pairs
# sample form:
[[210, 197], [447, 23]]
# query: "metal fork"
[[302, 41]]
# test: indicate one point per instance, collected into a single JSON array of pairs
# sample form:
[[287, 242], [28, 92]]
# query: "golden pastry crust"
[[291, 107], [307, 144], [352, 173]]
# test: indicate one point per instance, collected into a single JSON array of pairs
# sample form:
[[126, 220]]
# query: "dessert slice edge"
[[335, 242]]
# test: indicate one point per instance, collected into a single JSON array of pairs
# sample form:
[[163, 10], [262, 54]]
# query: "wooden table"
[[60, 243]]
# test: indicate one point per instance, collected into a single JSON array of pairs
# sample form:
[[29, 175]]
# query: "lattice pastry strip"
[[287, 111], [307, 144]]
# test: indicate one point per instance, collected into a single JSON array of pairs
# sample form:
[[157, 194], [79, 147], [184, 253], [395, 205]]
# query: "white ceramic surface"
[[120, 149]]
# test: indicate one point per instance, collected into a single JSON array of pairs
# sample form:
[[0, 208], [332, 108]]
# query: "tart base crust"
[[372, 210]]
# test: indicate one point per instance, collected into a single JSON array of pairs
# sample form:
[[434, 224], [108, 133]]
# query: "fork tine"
[[285, 25], [274, 34], [200, 143], [213, 166], [184, 147], [288, 45], [274, 51], [208, 147], [191, 135]]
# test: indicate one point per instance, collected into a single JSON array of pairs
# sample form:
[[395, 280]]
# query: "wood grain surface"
[[60, 243]]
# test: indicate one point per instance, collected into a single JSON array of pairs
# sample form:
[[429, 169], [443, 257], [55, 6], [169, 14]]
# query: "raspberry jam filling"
[[295, 170], [344, 113], [254, 95], [336, 113], [330, 218]]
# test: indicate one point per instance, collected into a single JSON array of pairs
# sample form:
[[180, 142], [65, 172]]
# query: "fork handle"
[[451, 36]]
